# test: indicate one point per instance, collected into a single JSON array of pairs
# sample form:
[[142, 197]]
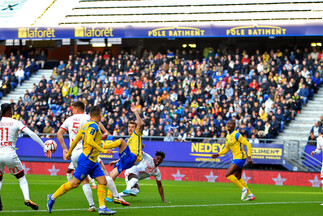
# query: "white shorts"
[[12, 161], [71, 166], [75, 156], [322, 172], [132, 170]]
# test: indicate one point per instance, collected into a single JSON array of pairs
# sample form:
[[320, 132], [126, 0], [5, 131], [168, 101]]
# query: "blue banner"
[[308, 159], [175, 151], [185, 31]]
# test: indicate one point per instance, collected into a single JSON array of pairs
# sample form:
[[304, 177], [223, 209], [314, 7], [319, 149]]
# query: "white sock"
[[91, 180], [321, 182], [102, 207], [135, 190], [131, 183], [24, 187], [1, 184], [88, 194], [69, 176], [112, 186]]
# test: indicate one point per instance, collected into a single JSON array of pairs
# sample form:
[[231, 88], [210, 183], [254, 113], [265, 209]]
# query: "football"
[[52, 145]]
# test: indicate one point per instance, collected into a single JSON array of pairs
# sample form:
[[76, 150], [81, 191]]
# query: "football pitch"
[[185, 198]]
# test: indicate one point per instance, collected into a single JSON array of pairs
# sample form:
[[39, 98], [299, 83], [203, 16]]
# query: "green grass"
[[186, 198]]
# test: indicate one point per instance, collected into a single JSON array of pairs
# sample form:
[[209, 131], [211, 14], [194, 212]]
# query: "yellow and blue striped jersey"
[[90, 134], [134, 143], [235, 142]]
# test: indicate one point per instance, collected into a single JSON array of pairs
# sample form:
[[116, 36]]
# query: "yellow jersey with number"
[[235, 141]]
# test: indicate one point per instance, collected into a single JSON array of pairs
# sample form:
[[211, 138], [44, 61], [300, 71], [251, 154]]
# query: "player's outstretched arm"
[[161, 190], [61, 141], [36, 138], [112, 163], [139, 121], [223, 151]]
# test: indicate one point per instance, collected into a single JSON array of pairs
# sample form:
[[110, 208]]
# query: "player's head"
[[159, 157], [95, 113], [78, 107], [231, 125], [132, 127], [6, 110]]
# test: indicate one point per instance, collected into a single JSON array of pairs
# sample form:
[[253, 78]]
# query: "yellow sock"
[[101, 194], [235, 181], [62, 190], [109, 194], [112, 144], [244, 184]]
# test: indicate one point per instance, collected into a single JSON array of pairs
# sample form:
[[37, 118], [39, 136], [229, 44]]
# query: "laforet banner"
[[175, 151], [131, 31]]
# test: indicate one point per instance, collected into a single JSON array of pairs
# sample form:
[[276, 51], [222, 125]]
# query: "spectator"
[[303, 94], [47, 129], [253, 140], [169, 137], [316, 130]]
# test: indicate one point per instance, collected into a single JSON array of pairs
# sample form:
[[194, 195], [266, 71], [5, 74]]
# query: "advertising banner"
[[308, 159], [196, 174], [175, 151], [189, 31]]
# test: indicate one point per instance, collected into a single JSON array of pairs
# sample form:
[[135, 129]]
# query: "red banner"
[[197, 174]]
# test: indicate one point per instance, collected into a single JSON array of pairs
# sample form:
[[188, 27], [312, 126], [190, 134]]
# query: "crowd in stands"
[[182, 95], [16, 68]]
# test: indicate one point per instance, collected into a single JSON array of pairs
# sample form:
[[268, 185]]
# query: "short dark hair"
[[79, 104], [133, 122], [5, 108], [160, 153], [95, 111]]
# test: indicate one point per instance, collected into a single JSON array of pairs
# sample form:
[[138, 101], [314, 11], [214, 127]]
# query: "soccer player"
[[129, 153], [90, 134], [319, 146], [235, 142], [72, 125], [146, 168], [9, 129]]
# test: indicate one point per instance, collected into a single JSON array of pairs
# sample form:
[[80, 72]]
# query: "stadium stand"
[[184, 95]]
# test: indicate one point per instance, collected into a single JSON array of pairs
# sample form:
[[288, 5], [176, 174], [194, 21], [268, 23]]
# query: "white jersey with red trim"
[[9, 129], [145, 168], [319, 147], [73, 124]]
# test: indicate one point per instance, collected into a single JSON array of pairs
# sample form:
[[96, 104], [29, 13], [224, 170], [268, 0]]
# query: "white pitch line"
[[175, 206]]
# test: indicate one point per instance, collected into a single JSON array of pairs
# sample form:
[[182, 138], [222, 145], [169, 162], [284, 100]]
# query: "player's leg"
[[15, 167], [1, 181], [231, 177], [88, 194], [321, 178], [69, 171], [132, 181], [118, 143], [98, 174], [250, 196], [113, 188]]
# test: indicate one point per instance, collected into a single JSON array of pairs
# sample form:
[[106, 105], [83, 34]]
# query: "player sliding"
[[9, 129], [235, 142], [130, 153], [146, 168], [72, 125], [90, 134]]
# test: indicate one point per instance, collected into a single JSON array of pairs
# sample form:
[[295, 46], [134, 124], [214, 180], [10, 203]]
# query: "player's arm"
[[139, 121], [245, 142], [90, 137], [77, 139], [223, 151], [160, 190], [112, 163], [103, 168], [36, 138], [104, 130], [61, 141], [318, 148]]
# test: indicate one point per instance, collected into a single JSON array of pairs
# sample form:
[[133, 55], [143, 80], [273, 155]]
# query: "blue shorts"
[[239, 162], [127, 160], [86, 167]]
